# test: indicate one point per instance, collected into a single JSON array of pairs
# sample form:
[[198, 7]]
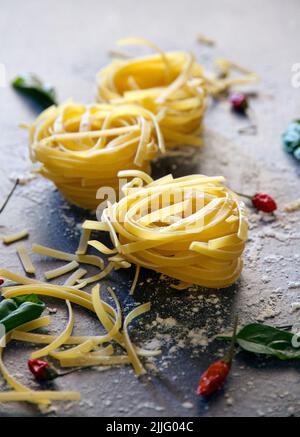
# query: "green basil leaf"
[[28, 298], [266, 340], [32, 86], [24, 310], [6, 307]]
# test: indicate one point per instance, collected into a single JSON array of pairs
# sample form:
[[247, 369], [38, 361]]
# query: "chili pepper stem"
[[59, 375], [231, 351], [9, 195], [252, 117], [245, 195], [285, 327]]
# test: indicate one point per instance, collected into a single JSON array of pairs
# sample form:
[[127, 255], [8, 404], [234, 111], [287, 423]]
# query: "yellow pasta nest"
[[83, 147], [192, 229], [170, 85]]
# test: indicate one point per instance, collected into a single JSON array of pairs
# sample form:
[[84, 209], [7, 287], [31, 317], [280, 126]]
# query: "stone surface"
[[66, 43]]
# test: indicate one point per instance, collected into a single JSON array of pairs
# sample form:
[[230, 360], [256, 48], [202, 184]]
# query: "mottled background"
[[66, 42]]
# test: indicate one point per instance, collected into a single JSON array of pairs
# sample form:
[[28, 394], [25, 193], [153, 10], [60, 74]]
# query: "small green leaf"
[[23, 309], [32, 86], [266, 340], [6, 307], [28, 298]]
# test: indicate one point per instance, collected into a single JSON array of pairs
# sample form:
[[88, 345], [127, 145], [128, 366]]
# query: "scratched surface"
[[66, 43]]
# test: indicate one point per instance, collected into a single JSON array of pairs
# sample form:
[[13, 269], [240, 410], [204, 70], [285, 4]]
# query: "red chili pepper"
[[239, 102], [264, 202], [41, 370], [215, 376], [1, 281]]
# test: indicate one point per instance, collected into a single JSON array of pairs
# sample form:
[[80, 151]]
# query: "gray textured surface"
[[66, 42]]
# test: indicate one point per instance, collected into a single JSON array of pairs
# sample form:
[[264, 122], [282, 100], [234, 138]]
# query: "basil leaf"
[[16, 312], [28, 298], [266, 340], [6, 307], [32, 86]]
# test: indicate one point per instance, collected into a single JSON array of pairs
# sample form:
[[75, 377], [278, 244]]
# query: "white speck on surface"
[[187, 405], [292, 206], [293, 285], [151, 406], [295, 306]]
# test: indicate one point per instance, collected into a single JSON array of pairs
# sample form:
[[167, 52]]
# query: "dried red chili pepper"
[[239, 102], [215, 376], [1, 281], [264, 202], [41, 370]]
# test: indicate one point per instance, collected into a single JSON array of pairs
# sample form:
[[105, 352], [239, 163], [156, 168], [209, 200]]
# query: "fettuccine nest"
[[83, 147], [172, 85], [192, 229]]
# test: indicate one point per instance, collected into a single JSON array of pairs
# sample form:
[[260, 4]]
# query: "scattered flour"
[[198, 337]]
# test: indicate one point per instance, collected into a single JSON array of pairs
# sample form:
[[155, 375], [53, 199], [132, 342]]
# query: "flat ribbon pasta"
[[82, 148], [172, 85], [192, 229]]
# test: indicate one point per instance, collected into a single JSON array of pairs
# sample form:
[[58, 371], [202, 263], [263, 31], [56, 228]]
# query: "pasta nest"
[[192, 229], [83, 147], [171, 85]]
